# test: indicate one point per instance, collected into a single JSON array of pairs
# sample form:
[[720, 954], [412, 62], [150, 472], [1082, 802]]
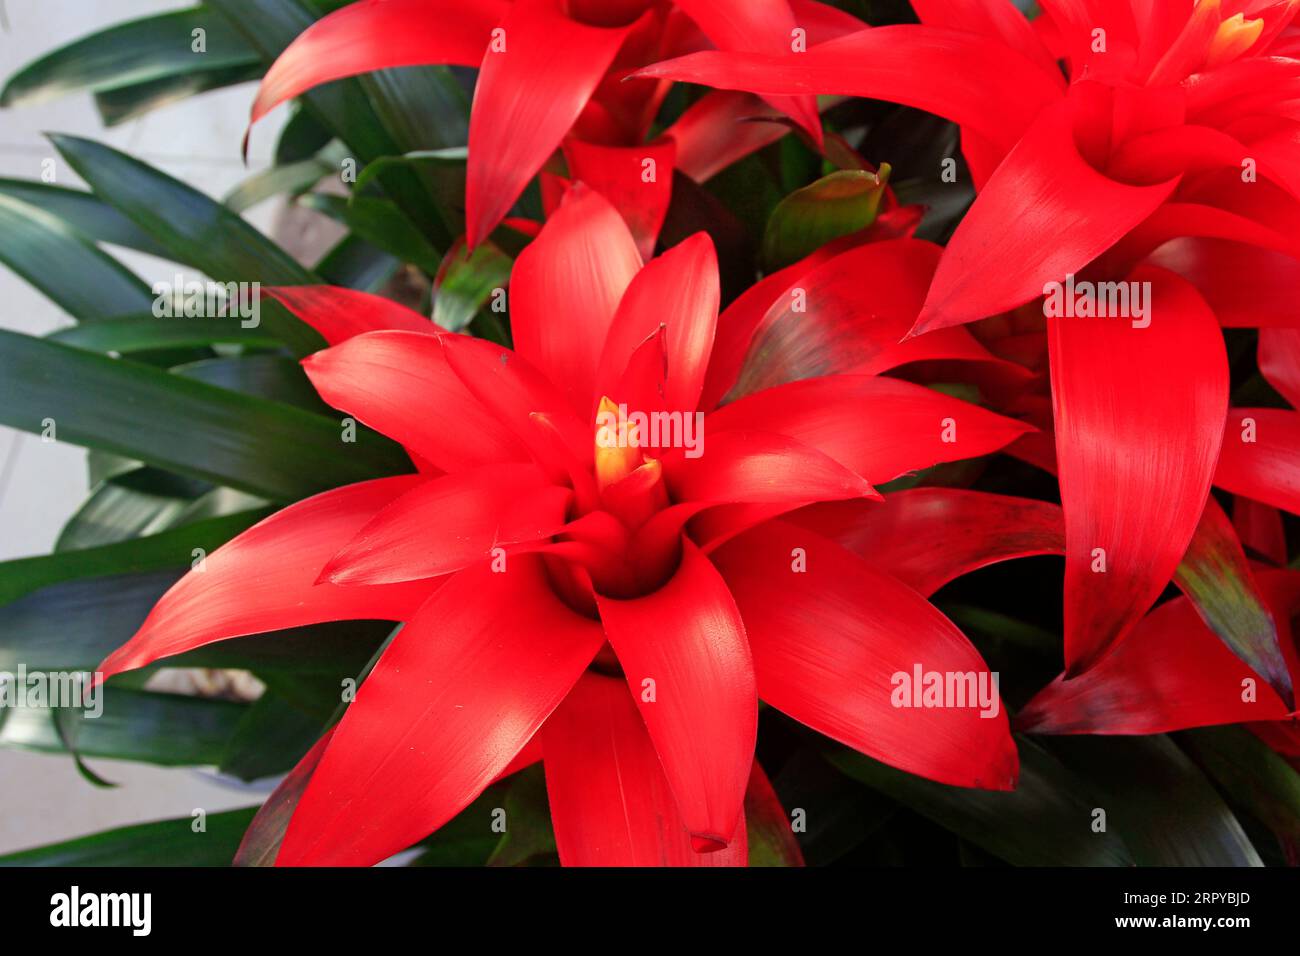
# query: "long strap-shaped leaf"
[[264, 448], [163, 843], [193, 228], [168, 549], [138, 51], [65, 265], [85, 212]]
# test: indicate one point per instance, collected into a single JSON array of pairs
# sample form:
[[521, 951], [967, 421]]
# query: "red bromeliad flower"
[[1165, 157], [615, 607], [556, 71]]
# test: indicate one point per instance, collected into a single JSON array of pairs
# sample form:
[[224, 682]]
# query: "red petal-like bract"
[[880, 428], [262, 839], [459, 692], [1261, 456], [679, 290], [638, 180], [565, 289], [610, 802], [765, 26], [1260, 529], [718, 129], [1044, 214], [754, 468], [1217, 267], [1171, 673], [400, 384], [449, 522], [927, 537], [849, 315], [1138, 413], [376, 35], [997, 20], [829, 634], [906, 64], [687, 663], [528, 95], [1279, 361], [339, 314], [771, 838], [265, 580]]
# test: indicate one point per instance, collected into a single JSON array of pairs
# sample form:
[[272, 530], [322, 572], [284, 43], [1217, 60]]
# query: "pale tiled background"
[[42, 798]]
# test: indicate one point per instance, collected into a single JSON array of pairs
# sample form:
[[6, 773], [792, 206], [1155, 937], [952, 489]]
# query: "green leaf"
[[65, 266], [133, 502], [468, 839], [836, 205], [137, 51], [169, 549], [272, 737], [131, 102], [837, 819], [301, 138], [528, 833], [140, 333], [448, 165], [293, 178], [75, 624], [168, 730], [163, 843], [1252, 775], [260, 447], [272, 377], [85, 212], [353, 112], [356, 264], [194, 229], [1045, 821], [1158, 800], [381, 223], [465, 283]]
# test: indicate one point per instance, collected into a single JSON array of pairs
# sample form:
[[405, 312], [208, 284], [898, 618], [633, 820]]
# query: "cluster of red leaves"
[[619, 613]]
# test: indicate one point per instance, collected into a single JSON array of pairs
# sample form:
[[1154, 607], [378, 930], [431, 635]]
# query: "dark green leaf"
[[194, 229], [1164, 808], [272, 377], [85, 212], [293, 178], [1214, 573], [169, 549], [381, 223], [164, 843], [466, 282], [301, 138], [346, 107], [164, 729], [1046, 821], [131, 102], [527, 820], [1252, 775], [261, 447], [272, 737], [69, 269], [143, 333], [356, 264], [138, 51], [137, 501]]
